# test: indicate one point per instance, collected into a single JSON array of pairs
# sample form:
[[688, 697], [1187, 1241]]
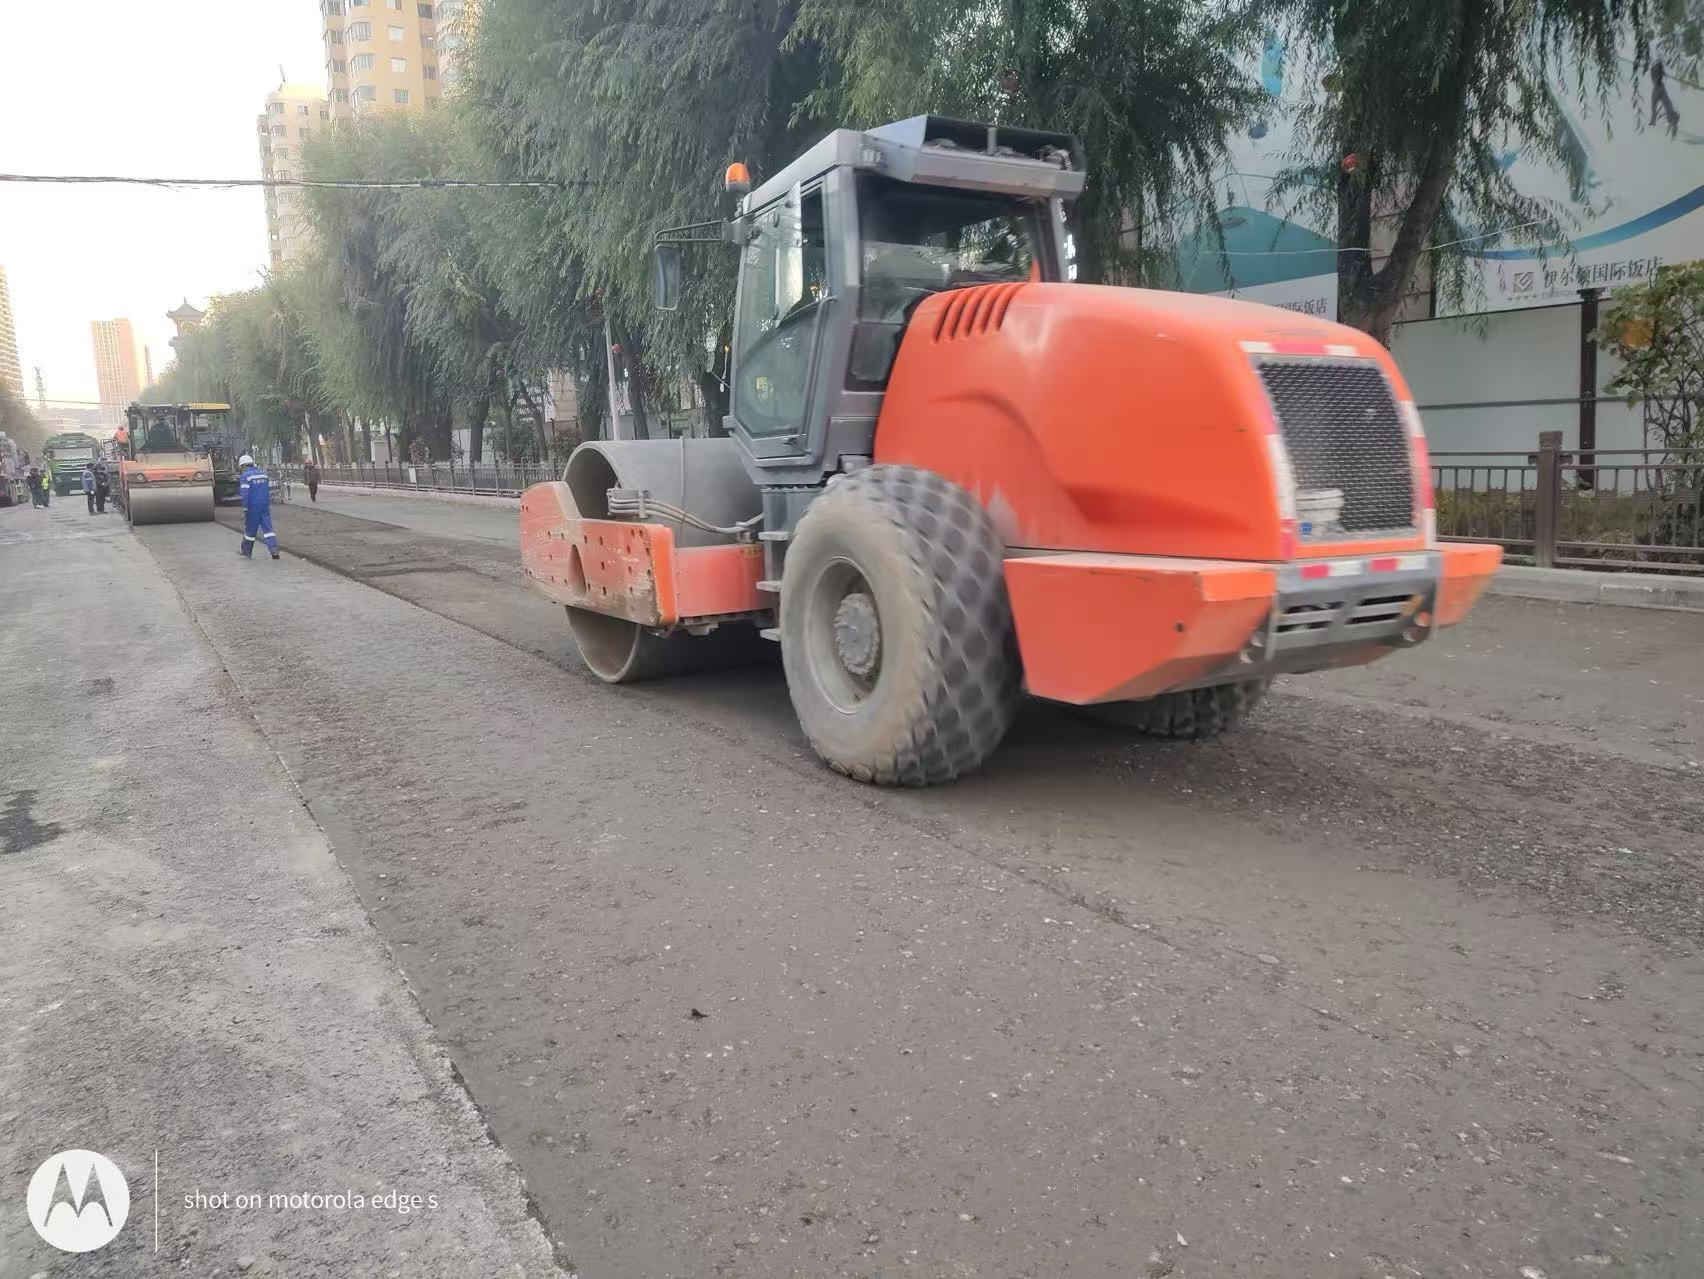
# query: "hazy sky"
[[117, 86]]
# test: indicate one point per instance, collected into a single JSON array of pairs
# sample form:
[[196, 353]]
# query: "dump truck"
[[163, 475], [67, 454], [953, 476], [14, 487]]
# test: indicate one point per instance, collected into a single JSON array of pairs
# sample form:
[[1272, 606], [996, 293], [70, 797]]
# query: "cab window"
[[783, 280], [920, 240]]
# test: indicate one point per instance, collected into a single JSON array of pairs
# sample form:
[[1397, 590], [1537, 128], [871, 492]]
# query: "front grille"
[[1347, 445]]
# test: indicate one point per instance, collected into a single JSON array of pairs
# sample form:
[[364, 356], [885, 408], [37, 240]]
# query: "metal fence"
[[1612, 508], [492, 479]]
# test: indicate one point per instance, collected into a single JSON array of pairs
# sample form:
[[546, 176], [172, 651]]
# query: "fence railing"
[[1613, 508], [491, 479]]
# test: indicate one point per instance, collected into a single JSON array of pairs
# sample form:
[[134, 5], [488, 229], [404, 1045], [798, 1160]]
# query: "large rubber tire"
[[914, 558], [1194, 714]]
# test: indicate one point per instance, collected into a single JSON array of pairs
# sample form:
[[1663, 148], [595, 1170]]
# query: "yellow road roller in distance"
[[164, 478]]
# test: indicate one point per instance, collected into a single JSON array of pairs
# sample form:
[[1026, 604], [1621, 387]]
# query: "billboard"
[[1639, 203], [1274, 251]]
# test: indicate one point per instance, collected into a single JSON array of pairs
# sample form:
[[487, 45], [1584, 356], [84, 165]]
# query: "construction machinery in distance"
[[952, 476], [169, 461], [66, 455], [14, 486]]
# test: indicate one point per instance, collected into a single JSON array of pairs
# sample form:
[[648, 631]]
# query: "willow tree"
[[637, 106], [1151, 88], [1414, 109], [401, 373]]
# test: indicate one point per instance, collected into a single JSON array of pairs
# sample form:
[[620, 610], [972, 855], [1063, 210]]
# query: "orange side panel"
[[710, 580], [1468, 570], [1101, 628], [631, 570]]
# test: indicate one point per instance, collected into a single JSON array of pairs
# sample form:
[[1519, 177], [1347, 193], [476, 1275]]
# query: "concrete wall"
[[1510, 355]]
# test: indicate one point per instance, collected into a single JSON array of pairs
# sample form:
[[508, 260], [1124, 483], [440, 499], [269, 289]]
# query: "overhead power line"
[[418, 184], [349, 184]]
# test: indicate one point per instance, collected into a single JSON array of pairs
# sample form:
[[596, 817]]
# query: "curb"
[[430, 495], [1588, 586]]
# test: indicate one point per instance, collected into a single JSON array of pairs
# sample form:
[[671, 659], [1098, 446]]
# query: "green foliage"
[[17, 421], [1150, 88], [1657, 331], [1428, 98]]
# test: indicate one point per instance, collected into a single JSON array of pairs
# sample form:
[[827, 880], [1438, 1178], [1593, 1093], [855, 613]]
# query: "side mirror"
[[665, 277]]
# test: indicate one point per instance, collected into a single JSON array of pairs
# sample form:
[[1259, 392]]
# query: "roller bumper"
[[631, 569], [1107, 628]]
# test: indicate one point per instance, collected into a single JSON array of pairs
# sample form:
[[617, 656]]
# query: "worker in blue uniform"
[[256, 490]]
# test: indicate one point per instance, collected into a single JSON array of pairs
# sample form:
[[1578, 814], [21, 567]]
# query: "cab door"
[[786, 293]]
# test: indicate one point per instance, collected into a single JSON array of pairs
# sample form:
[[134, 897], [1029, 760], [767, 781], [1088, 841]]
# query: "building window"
[[397, 5], [324, 114], [301, 109], [277, 130], [400, 96], [360, 31], [277, 108], [338, 67], [361, 62], [427, 41], [340, 95], [396, 35], [334, 37], [425, 10], [331, 8], [365, 93], [399, 65], [429, 72], [357, 4]]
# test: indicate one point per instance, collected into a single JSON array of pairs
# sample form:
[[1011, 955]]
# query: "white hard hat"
[[245, 460]]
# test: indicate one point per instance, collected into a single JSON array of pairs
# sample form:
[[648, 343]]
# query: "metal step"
[[774, 588], [771, 633], [775, 535]]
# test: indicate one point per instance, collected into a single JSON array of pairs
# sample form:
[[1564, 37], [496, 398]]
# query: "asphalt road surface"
[[188, 983], [1402, 979]]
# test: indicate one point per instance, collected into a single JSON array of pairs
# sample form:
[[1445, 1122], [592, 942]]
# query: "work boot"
[[275, 555]]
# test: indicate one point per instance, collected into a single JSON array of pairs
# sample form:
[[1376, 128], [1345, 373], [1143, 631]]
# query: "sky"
[[147, 89]]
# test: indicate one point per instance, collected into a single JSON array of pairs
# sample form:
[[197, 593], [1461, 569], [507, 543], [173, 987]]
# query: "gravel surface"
[[1376, 986], [185, 972]]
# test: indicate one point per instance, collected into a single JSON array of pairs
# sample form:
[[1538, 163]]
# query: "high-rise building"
[[294, 113], [119, 368], [11, 368], [382, 55]]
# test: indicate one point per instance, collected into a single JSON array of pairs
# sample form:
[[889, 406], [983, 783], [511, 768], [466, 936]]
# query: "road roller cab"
[[165, 474], [951, 474]]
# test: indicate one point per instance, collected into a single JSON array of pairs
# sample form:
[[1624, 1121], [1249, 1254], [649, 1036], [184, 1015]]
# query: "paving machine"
[[165, 475], [952, 476]]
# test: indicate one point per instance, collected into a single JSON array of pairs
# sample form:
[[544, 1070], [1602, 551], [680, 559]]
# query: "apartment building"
[[121, 367], [294, 114], [11, 368], [382, 55]]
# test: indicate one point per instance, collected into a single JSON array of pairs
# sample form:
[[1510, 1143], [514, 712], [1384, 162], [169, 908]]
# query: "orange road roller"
[[952, 477]]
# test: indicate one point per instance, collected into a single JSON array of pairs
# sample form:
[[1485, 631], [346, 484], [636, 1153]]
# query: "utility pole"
[[618, 429]]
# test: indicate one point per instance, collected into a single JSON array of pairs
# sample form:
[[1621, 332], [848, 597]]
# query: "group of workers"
[[255, 489], [97, 485]]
